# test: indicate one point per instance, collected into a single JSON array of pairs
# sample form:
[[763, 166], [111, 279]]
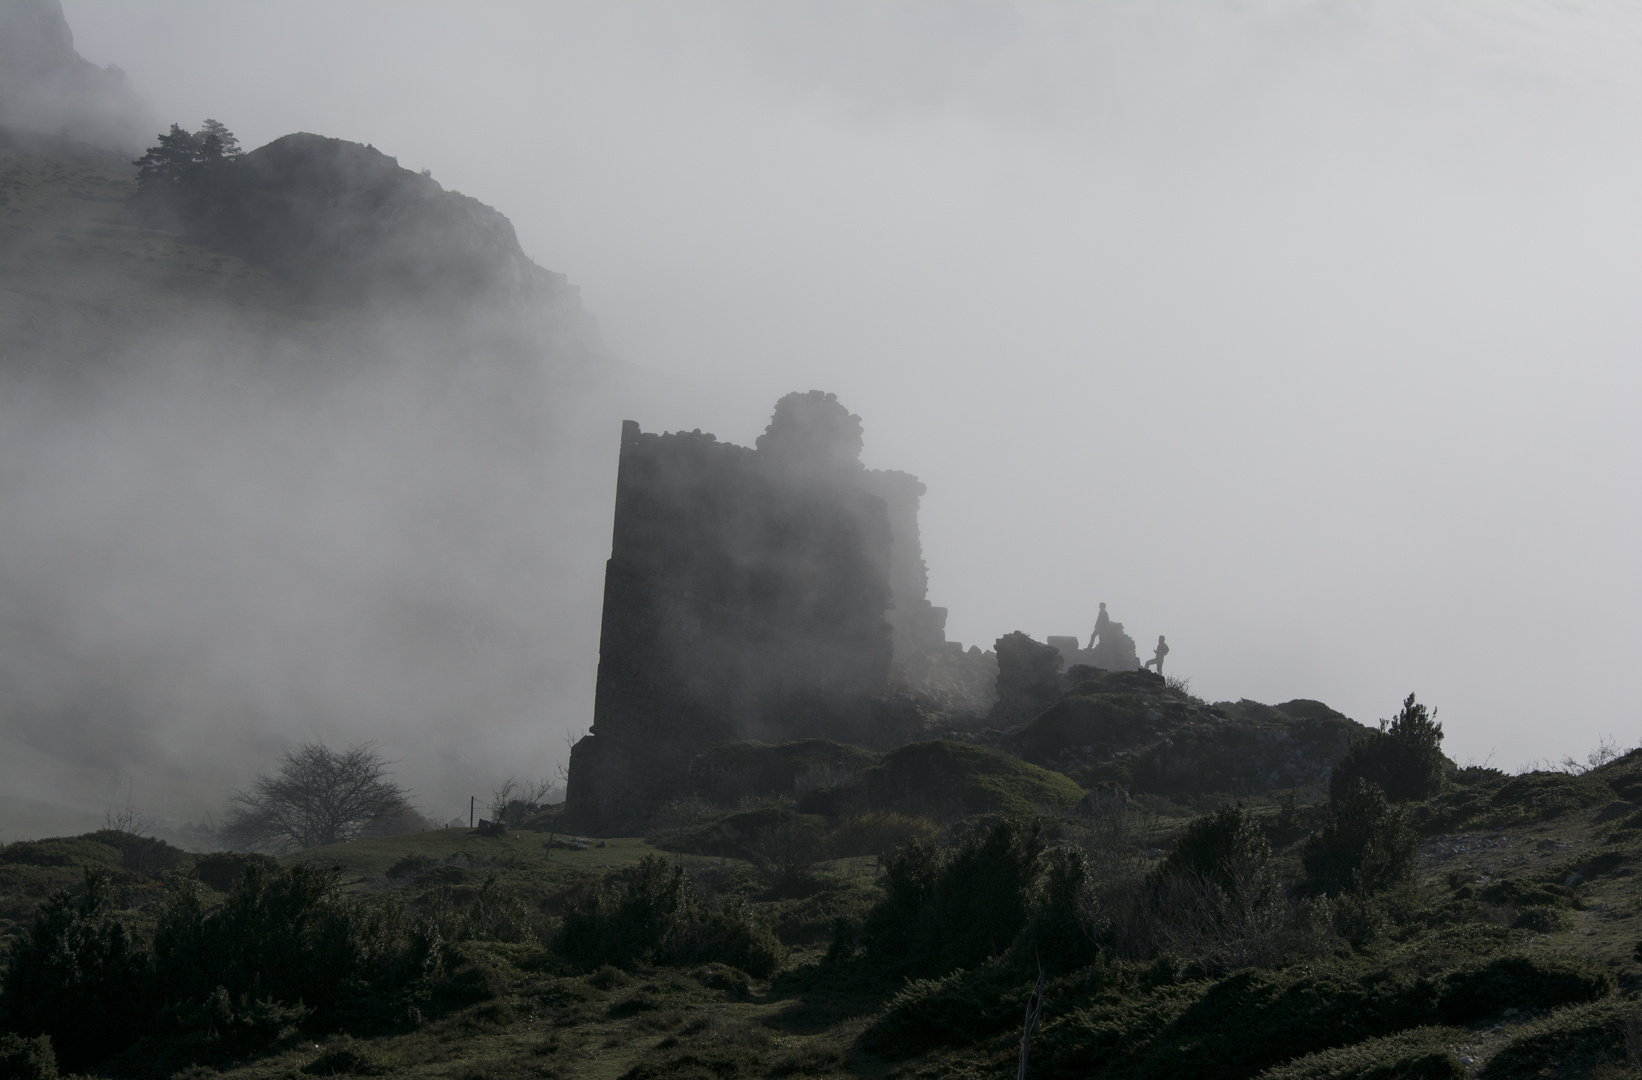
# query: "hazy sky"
[[1305, 334]]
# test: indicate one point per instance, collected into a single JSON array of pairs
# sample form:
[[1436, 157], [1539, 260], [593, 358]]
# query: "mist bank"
[[1297, 332], [242, 512]]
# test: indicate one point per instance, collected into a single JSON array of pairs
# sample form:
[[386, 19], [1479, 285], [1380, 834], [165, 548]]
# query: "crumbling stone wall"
[[1029, 678], [767, 593]]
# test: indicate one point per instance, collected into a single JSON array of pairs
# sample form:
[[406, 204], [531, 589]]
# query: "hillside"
[[241, 500], [1510, 953]]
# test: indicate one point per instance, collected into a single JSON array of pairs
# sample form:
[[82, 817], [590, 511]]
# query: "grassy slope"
[[77, 267], [668, 1023]]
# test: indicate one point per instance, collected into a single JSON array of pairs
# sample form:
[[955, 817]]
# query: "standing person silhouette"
[[1102, 621], [1158, 654]]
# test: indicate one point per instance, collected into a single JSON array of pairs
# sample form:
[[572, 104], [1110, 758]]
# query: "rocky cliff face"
[[48, 88], [368, 509], [343, 221]]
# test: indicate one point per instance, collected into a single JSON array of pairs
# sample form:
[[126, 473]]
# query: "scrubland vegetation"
[[1419, 920]]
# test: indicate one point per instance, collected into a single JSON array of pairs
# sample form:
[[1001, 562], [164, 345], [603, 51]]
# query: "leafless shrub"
[[1113, 837], [1254, 923], [1183, 687], [318, 796], [1607, 749], [515, 800], [127, 822]]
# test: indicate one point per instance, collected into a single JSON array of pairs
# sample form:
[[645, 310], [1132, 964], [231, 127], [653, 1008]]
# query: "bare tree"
[[318, 796], [516, 799]]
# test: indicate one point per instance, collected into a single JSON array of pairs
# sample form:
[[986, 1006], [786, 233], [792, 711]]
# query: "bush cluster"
[[283, 939], [1366, 845], [652, 915], [948, 909]]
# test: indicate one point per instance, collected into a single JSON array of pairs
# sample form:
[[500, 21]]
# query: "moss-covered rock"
[[1541, 795], [747, 769], [947, 780], [1130, 728]]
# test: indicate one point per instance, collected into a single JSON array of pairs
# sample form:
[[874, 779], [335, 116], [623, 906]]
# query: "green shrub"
[[1522, 893], [1365, 846], [961, 1009], [1231, 1029], [628, 922], [1218, 848], [289, 936], [1543, 920], [221, 869], [946, 910], [346, 1057], [78, 976], [1425, 1053], [26, 1059], [651, 916], [1570, 1042], [879, 832], [727, 936], [1058, 934], [1546, 794], [1521, 982], [1404, 758]]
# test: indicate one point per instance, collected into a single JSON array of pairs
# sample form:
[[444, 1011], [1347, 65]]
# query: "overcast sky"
[[1305, 334]]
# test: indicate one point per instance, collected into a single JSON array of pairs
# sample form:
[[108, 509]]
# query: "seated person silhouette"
[[1102, 621], [1159, 653]]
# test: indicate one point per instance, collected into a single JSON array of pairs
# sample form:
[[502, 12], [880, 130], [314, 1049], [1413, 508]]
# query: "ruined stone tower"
[[773, 592]]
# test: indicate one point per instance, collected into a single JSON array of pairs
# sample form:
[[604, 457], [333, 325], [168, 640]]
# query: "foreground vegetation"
[[1484, 925]]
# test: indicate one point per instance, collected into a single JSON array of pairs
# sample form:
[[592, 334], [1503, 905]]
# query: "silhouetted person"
[[1102, 621], [1158, 654]]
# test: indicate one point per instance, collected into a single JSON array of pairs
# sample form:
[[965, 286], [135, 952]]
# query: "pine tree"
[[216, 142], [167, 168]]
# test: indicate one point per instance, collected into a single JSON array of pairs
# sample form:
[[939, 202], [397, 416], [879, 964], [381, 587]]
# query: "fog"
[[1300, 333]]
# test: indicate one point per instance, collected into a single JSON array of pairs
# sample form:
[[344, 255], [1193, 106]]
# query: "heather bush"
[[291, 936], [950, 909], [651, 915], [1365, 846], [78, 976], [26, 1059]]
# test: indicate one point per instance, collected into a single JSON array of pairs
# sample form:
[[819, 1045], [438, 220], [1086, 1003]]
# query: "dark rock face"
[[48, 88], [771, 593], [1128, 728], [345, 222]]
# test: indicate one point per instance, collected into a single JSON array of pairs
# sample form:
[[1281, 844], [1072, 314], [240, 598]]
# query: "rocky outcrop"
[[1128, 728], [47, 88], [343, 223], [773, 592]]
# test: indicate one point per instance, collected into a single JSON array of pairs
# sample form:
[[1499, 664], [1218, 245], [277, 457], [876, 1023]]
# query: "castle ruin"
[[773, 592]]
